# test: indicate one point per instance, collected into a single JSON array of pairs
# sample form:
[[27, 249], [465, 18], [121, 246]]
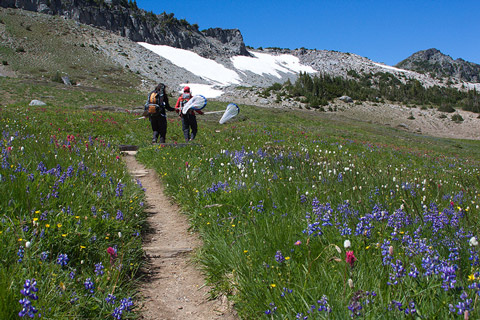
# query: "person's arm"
[[177, 105], [167, 104], [199, 111]]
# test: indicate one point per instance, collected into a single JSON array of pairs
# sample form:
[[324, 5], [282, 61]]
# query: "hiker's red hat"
[[186, 89]]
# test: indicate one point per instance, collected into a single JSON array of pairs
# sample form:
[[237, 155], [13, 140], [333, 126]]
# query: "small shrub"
[[442, 116], [20, 49], [457, 118], [411, 117], [57, 77], [446, 108], [5, 62]]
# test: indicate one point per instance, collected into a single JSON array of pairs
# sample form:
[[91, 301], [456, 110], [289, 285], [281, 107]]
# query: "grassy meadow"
[[309, 218], [302, 216]]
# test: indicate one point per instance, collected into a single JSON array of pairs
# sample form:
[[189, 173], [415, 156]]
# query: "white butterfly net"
[[231, 111], [197, 102]]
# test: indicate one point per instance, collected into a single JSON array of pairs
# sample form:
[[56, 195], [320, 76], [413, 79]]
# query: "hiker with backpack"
[[189, 120], [155, 107]]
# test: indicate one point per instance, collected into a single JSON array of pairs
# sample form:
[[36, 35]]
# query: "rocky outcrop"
[[434, 62], [127, 20]]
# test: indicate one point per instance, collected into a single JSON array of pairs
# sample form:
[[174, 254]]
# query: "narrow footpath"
[[173, 288]]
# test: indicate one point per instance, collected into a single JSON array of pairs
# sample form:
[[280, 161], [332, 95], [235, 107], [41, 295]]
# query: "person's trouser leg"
[[193, 125], [154, 124], [185, 127], [162, 129]]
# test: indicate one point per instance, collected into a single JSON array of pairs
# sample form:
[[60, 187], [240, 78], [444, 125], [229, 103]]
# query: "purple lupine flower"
[[74, 298], [44, 255], [99, 269], [119, 215], [272, 310], [413, 271], [279, 257], [119, 190], [20, 253], [449, 276], [411, 309], [29, 290], [89, 285], [117, 313], [62, 259], [398, 272], [27, 308], [126, 303], [110, 298], [462, 306]]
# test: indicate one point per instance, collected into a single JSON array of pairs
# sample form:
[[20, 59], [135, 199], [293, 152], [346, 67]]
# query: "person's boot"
[[186, 135], [162, 140], [155, 137]]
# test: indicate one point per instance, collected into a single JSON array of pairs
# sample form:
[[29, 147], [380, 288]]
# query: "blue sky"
[[384, 31]]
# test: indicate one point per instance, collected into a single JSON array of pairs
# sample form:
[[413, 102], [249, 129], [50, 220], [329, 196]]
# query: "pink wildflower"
[[350, 258], [113, 255]]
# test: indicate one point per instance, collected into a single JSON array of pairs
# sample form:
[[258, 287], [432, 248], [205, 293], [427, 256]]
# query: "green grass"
[[257, 189], [65, 190], [252, 190], [250, 187]]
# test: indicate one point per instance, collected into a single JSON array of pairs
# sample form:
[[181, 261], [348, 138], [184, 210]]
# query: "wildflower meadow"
[[301, 217], [313, 220], [70, 217]]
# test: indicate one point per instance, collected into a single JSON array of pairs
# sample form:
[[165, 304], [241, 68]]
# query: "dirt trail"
[[173, 289]]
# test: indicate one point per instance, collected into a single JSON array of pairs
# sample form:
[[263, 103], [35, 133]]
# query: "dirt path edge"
[[173, 288]]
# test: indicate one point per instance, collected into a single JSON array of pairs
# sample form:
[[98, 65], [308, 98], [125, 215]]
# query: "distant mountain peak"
[[438, 64]]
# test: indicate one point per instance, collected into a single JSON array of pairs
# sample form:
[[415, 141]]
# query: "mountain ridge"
[[438, 64], [127, 53], [127, 20]]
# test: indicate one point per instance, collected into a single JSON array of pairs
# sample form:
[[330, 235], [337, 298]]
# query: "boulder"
[[346, 99], [37, 103]]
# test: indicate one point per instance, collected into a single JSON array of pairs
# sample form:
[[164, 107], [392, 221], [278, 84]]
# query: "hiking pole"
[[139, 118], [210, 112]]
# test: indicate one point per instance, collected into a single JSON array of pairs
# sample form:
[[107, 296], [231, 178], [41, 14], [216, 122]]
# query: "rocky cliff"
[[437, 64], [126, 19]]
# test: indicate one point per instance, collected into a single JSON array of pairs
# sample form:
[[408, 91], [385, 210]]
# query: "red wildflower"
[[350, 258], [113, 255]]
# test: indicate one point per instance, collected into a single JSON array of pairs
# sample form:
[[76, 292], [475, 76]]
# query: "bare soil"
[[429, 122], [173, 286]]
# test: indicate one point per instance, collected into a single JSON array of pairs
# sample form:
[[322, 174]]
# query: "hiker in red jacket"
[[189, 120]]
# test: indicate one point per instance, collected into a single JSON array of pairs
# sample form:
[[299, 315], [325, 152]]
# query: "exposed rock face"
[[438, 64], [138, 25]]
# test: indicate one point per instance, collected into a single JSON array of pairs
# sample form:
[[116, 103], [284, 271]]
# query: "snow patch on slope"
[[211, 70], [219, 75], [264, 63]]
